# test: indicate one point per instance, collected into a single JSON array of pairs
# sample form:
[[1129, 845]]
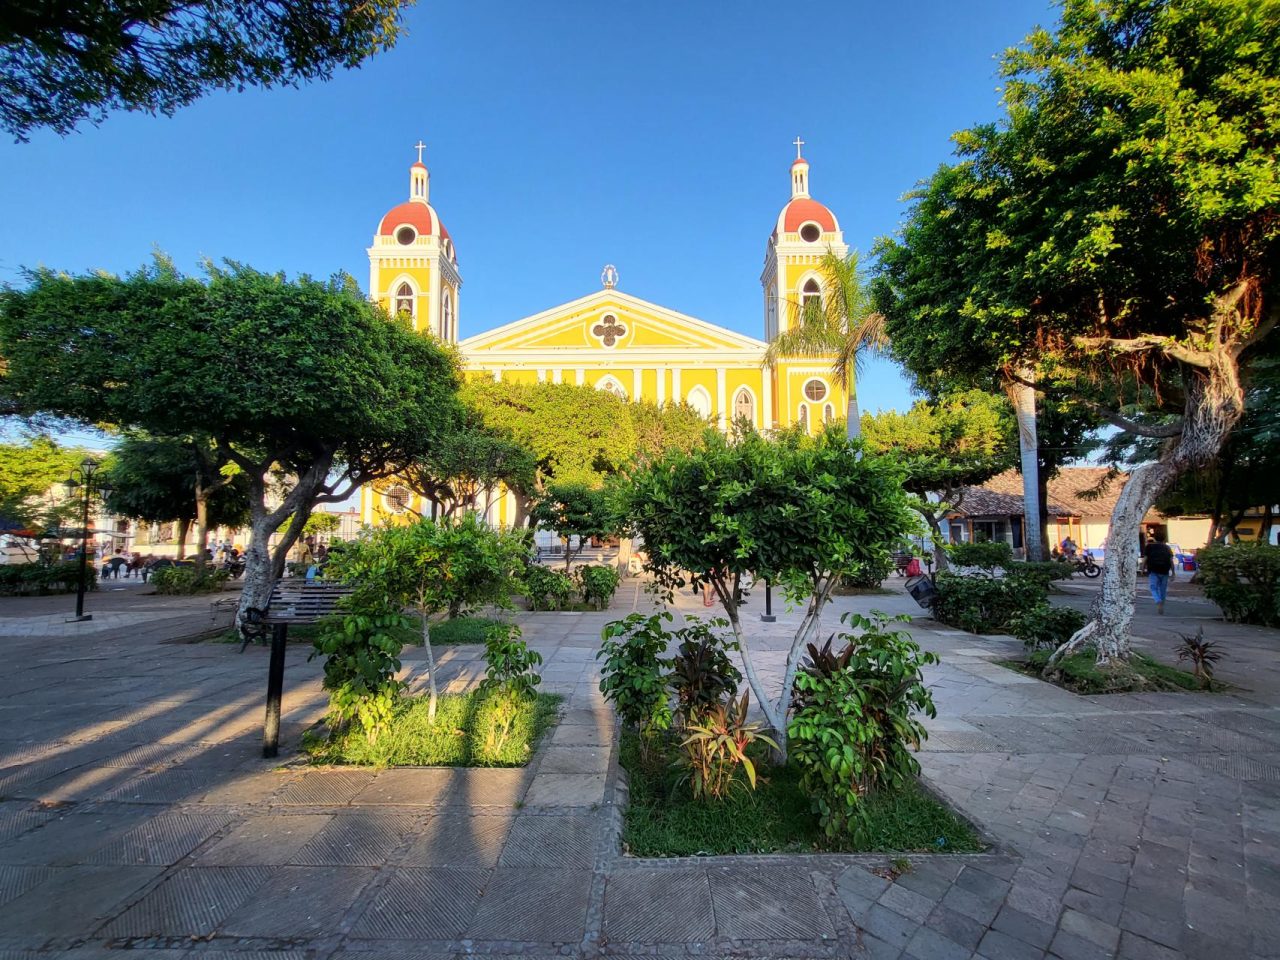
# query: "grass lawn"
[[663, 819], [1080, 673], [461, 630], [462, 735], [445, 632]]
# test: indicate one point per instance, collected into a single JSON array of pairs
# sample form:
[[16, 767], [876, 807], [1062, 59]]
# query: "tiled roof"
[[1071, 493]]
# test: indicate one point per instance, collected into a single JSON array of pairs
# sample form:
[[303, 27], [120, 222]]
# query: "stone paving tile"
[[328, 788], [163, 839], [658, 906], [189, 903], [422, 905], [298, 902], [459, 840], [73, 901], [356, 839], [565, 842], [264, 840], [767, 903], [542, 905], [566, 790]]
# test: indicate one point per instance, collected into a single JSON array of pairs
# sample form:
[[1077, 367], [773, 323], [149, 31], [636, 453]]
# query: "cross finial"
[[799, 143], [419, 146]]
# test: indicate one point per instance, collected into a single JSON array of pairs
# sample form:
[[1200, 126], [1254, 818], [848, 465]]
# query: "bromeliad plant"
[[632, 674], [855, 722], [1202, 655], [702, 674], [715, 748]]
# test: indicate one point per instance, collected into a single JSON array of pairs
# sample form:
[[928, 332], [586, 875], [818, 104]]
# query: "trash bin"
[[922, 591]]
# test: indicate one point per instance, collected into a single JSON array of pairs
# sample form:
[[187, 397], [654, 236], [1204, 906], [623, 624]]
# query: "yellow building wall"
[[389, 278]]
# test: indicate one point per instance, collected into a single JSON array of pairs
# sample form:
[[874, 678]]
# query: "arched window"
[[405, 300], [446, 321], [611, 385], [744, 407], [828, 413], [771, 315], [810, 297], [804, 417], [700, 400]]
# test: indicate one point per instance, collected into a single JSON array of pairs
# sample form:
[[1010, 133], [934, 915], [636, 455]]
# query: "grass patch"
[[841, 591], [461, 630], [410, 636], [663, 819], [1081, 674], [460, 736]]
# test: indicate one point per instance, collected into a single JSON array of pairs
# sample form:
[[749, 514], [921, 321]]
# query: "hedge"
[[1244, 581], [985, 604], [996, 553], [24, 579]]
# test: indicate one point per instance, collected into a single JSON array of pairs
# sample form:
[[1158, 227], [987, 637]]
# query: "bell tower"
[[413, 266]]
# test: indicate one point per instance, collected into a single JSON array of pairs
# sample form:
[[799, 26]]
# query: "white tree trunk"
[[1023, 398], [853, 425], [434, 698]]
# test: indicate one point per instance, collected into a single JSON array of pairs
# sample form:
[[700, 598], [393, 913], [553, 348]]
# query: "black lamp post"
[[83, 477], [768, 616]]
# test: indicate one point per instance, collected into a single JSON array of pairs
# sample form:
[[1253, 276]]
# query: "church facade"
[[610, 340]]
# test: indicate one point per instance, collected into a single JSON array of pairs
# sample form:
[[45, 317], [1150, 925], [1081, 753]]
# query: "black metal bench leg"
[[275, 689]]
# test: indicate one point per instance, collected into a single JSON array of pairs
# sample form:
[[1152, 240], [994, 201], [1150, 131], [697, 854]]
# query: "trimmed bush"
[[599, 584], [1244, 581], [547, 589], [1044, 627], [1045, 571], [24, 579], [186, 581], [871, 571], [985, 604], [988, 556]]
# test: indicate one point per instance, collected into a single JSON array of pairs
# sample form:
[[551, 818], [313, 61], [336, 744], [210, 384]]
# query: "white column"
[[677, 395], [637, 382], [582, 375], [497, 375], [433, 300], [542, 375], [555, 375], [765, 418], [720, 398], [662, 385]]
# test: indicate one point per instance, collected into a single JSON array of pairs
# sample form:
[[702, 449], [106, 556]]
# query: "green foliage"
[[467, 462], [985, 604], [662, 819], [715, 745], [461, 734], [856, 728], [1243, 580], [599, 582], [985, 555], [462, 630], [672, 426], [362, 651], [871, 571], [1043, 627], [579, 510], [1203, 655], [23, 579], [28, 472], [1081, 673], [702, 674], [510, 682], [320, 523], [75, 63], [547, 589], [154, 479], [186, 581], [631, 677], [1045, 571]]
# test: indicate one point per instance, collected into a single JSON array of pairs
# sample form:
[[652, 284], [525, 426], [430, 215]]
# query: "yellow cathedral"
[[613, 341]]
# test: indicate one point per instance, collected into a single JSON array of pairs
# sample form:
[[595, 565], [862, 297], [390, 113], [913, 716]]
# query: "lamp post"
[[767, 616], [84, 477]]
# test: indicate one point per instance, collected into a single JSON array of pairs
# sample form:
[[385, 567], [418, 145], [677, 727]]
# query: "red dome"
[[418, 215], [798, 161], [802, 209]]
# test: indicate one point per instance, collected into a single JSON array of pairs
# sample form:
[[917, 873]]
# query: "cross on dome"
[[419, 146], [798, 144]]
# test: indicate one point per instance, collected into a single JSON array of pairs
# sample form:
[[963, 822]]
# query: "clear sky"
[[561, 136]]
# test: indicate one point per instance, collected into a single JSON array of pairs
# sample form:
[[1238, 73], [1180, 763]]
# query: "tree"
[[432, 567], [575, 434], [845, 324], [1118, 233], [320, 523], [28, 472], [69, 62], [661, 428], [576, 510], [161, 479], [946, 445], [800, 512], [467, 463], [305, 386]]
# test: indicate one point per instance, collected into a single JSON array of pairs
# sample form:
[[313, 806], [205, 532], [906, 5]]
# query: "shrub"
[[1202, 655], [1244, 581], [547, 589], [1043, 627], [996, 553], [599, 584], [185, 581], [1044, 571], [510, 682], [43, 578], [715, 748], [362, 650], [632, 674], [856, 729], [984, 604], [870, 571], [702, 674]]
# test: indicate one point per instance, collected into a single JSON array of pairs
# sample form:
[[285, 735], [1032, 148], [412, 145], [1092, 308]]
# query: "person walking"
[[1159, 559]]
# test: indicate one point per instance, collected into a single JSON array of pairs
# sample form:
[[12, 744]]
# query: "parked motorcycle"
[[1084, 563]]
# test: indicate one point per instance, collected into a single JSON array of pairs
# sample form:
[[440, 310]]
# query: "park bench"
[[292, 602]]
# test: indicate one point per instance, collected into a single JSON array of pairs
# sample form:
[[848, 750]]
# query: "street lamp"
[[84, 477]]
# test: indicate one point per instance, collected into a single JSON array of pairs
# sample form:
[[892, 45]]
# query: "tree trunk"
[[935, 528], [1042, 498], [853, 426], [202, 522], [1023, 398], [1214, 403], [184, 527], [434, 698]]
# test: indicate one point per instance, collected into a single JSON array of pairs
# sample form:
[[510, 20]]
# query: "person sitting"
[[1069, 547]]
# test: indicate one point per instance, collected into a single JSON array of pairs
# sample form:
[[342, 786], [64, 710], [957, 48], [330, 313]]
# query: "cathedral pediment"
[[610, 322]]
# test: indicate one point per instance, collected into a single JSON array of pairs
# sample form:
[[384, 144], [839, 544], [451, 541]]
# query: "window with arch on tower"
[[803, 418], [828, 414], [810, 297], [744, 407], [405, 300], [446, 319]]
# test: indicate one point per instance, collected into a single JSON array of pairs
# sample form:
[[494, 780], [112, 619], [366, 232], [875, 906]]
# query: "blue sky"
[[561, 136]]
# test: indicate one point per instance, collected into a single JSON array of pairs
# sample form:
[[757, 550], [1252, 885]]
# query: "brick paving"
[[137, 814]]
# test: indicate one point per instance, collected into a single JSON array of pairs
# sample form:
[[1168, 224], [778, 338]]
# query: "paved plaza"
[[138, 814]]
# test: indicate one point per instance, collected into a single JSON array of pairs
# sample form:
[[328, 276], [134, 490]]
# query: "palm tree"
[[843, 324]]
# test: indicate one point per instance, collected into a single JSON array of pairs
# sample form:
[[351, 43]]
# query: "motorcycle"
[[234, 566], [1084, 563]]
